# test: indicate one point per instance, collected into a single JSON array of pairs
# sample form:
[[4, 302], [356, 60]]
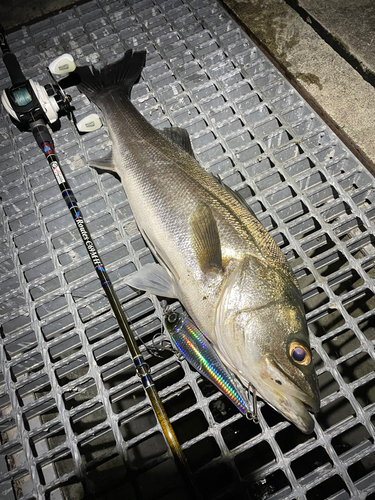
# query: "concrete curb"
[[330, 84]]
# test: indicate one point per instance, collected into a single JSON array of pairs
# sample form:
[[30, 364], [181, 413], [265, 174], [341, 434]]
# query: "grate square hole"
[[327, 488], [67, 347], [260, 454], [63, 464], [292, 211], [239, 431], [107, 353], [29, 365], [97, 447], [48, 440], [304, 277], [335, 214], [288, 152], [367, 327], [356, 367], [267, 127], [109, 475], [262, 165], [34, 389], [331, 263], [327, 384], [363, 247], [329, 320], [334, 412], [254, 151], [171, 376], [305, 227], [278, 138], [369, 267], [362, 468], [318, 245], [55, 328], [202, 453], [190, 426], [283, 194], [147, 449], [288, 438], [131, 395], [182, 400], [265, 487], [137, 426], [365, 394], [88, 418], [270, 181], [341, 344], [310, 461], [345, 282], [362, 304], [21, 345], [75, 368], [80, 394], [350, 438], [314, 298], [300, 166]]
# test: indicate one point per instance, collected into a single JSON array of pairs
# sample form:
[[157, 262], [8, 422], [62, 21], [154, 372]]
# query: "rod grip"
[[10, 61], [14, 69]]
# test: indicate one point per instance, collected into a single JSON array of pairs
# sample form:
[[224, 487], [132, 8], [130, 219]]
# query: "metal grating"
[[74, 417]]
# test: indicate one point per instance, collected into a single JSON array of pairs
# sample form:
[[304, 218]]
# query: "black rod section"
[[44, 141]]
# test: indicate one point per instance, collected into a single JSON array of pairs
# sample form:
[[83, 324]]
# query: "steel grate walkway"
[[74, 418]]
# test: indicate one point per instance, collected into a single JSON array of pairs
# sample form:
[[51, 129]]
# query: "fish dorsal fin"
[[205, 239], [152, 278], [236, 195], [179, 136]]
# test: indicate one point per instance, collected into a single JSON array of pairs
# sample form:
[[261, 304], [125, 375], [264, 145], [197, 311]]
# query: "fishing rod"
[[35, 106]]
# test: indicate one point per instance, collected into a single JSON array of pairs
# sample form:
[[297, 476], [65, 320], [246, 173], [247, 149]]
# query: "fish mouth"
[[283, 394]]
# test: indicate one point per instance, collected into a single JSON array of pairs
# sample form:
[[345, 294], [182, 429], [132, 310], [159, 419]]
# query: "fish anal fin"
[[205, 239], [179, 136]]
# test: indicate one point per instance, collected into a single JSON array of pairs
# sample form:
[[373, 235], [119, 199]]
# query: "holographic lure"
[[198, 351]]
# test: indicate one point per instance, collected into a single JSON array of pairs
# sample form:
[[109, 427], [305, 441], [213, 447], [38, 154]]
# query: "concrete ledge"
[[330, 84]]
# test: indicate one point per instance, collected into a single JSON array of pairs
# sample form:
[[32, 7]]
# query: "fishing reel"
[[27, 101]]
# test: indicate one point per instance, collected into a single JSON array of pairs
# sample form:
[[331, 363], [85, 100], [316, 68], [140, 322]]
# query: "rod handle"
[[10, 61]]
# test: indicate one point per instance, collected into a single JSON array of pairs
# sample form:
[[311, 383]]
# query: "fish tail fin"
[[123, 73]]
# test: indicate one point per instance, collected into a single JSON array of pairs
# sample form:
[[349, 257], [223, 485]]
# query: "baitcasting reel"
[[27, 101]]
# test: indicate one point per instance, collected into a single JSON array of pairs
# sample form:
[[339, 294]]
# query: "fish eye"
[[300, 353]]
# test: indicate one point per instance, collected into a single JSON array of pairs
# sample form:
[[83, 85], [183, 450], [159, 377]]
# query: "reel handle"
[[10, 61]]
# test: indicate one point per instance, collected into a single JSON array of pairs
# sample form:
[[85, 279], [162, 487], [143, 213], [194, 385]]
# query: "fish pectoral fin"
[[205, 239], [179, 136], [153, 278], [105, 164]]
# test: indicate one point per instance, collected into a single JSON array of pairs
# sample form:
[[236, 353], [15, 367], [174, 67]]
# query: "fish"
[[197, 350], [212, 254]]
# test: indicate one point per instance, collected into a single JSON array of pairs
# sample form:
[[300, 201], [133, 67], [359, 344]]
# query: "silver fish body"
[[214, 255]]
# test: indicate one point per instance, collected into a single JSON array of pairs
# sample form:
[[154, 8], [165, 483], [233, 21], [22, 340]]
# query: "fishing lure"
[[198, 351]]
